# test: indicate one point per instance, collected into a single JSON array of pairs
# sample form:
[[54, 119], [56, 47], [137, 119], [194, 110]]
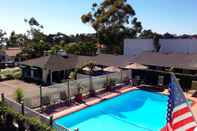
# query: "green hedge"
[[10, 73], [8, 117]]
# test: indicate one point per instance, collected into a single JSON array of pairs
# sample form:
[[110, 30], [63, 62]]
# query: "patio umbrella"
[[112, 69], [136, 66], [96, 68]]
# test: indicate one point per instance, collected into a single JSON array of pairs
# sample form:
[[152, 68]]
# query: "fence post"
[[121, 76], [51, 121], [91, 87], [68, 90], [2, 97], [41, 96], [22, 108]]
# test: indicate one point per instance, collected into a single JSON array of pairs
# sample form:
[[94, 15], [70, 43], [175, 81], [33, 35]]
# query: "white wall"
[[178, 45], [134, 47]]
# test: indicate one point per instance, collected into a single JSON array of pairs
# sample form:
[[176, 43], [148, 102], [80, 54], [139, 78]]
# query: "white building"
[[134, 47]]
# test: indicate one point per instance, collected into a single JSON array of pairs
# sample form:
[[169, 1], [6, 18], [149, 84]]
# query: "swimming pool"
[[137, 110]]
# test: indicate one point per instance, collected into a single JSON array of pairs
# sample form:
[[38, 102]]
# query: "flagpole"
[[172, 73]]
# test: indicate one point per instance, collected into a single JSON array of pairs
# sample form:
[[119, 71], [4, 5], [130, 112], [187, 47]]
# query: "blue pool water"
[[133, 111]]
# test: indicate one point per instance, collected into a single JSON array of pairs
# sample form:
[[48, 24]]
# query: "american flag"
[[179, 116]]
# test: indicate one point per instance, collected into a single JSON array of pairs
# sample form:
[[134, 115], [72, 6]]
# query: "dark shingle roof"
[[108, 60], [56, 62], [53, 62], [178, 60]]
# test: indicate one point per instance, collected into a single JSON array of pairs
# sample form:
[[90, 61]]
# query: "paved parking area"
[[9, 87]]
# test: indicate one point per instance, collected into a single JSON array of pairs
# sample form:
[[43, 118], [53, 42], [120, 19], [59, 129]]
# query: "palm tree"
[[91, 65]]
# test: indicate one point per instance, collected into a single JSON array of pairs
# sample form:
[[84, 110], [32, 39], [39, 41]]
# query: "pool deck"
[[93, 101], [109, 95]]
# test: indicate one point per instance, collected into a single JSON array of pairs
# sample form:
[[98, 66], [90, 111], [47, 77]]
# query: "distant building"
[[8, 57], [55, 68], [182, 63], [135, 47], [47, 69], [12, 53]]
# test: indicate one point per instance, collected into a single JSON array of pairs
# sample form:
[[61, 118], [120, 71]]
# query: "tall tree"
[[156, 43], [36, 43], [35, 31], [112, 21], [168, 36], [147, 34], [16, 40], [3, 38]]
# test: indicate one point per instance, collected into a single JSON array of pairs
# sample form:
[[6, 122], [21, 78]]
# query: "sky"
[[174, 16]]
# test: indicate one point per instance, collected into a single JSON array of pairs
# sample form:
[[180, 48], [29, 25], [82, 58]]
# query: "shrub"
[[8, 116], [109, 83], [46, 100], [72, 75], [63, 95], [126, 79], [10, 73], [19, 95], [17, 75]]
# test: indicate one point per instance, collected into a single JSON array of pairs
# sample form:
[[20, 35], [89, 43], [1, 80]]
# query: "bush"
[[63, 95], [17, 75], [109, 83], [8, 116], [46, 100], [10, 73], [19, 95], [88, 49]]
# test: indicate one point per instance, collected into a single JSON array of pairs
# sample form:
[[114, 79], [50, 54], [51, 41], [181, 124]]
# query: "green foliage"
[[8, 116], [147, 34], [111, 20], [55, 49], [3, 38], [16, 40], [46, 100], [109, 83], [88, 49], [73, 75], [10, 73], [156, 43], [63, 95], [35, 43], [19, 95]]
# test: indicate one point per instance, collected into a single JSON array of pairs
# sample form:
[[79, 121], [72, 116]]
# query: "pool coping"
[[95, 100], [109, 95]]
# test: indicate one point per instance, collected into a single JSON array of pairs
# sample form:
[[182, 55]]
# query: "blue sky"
[[175, 16]]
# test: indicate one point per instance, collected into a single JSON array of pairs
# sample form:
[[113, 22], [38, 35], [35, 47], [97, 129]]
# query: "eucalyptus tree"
[[3, 38], [37, 40], [16, 40], [113, 20]]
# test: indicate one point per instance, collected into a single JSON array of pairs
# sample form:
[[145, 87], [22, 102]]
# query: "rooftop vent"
[[62, 53]]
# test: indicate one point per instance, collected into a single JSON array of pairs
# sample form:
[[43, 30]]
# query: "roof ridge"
[[49, 58]]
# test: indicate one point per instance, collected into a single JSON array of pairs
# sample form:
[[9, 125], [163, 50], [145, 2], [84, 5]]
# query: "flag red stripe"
[[181, 112], [191, 129], [167, 127], [183, 122]]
